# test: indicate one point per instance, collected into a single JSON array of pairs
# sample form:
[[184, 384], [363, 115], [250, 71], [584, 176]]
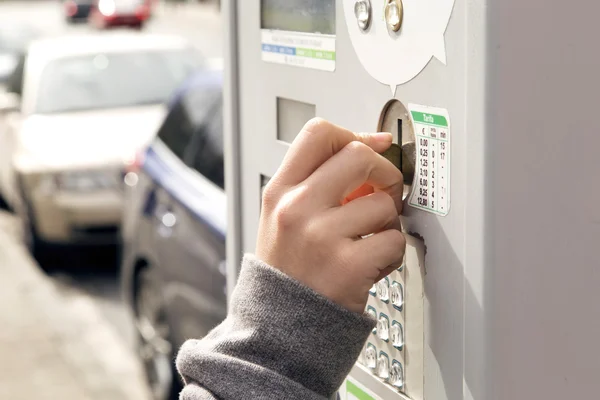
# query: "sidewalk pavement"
[[51, 348]]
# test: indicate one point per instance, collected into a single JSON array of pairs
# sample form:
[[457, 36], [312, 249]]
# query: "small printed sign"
[[431, 184], [307, 50]]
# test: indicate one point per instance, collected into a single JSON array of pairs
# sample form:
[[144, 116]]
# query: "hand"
[[332, 189]]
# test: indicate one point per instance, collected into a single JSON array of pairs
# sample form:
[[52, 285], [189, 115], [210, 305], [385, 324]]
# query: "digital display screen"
[[309, 16]]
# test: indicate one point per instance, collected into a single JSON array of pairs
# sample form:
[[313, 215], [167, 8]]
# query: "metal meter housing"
[[510, 273]]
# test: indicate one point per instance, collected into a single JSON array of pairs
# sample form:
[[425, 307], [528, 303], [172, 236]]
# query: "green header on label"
[[356, 391], [432, 119], [319, 54]]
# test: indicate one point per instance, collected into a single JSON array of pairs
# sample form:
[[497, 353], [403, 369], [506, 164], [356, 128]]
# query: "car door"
[[190, 220]]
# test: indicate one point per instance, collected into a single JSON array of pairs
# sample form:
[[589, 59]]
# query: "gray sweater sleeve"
[[280, 340]]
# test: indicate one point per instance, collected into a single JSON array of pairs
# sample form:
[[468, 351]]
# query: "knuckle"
[[285, 214], [385, 202], [358, 150], [362, 137], [270, 197], [288, 211], [397, 239], [315, 126], [386, 206]]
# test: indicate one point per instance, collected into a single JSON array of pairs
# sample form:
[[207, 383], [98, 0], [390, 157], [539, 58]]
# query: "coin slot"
[[400, 139], [395, 119]]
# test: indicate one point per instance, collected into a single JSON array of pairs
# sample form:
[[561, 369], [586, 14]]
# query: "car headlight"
[[88, 180]]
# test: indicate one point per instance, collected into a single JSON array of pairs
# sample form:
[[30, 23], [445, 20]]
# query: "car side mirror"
[[9, 102]]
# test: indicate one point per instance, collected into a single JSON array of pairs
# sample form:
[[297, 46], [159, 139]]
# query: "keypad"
[[384, 351]]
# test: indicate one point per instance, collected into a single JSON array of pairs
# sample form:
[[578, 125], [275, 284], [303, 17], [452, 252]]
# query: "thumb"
[[318, 141]]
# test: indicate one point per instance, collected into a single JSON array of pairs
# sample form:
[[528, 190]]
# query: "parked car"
[[14, 39], [77, 10], [81, 106], [114, 13], [173, 268]]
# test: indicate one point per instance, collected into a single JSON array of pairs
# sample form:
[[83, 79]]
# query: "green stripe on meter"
[[356, 392], [431, 119], [319, 54]]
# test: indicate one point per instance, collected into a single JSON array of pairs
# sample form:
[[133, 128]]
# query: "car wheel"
[[153, 334], [3, 204]]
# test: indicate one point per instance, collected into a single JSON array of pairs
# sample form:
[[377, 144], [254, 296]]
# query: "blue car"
[[173, 263]]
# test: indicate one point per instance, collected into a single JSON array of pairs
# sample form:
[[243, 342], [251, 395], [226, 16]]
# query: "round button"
[[397, 375], [362, 11], [383, 289], [393, 14], [383, 369], [373, 290], [371, 357], [362, 357], [373, 314], [383, 328], [397, 295], [397, 335]]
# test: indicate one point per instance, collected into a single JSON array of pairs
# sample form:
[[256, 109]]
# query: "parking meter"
[[491, 107]]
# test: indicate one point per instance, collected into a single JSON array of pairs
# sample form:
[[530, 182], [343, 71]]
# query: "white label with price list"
[[431, 184]]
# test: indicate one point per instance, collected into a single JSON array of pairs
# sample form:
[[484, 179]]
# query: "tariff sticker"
[[431, 184]]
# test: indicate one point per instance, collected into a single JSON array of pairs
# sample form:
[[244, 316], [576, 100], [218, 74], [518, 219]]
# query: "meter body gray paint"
[[512, 272]]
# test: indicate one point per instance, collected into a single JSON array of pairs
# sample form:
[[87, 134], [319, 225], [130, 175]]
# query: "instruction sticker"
[[431, 185], [308, 50]]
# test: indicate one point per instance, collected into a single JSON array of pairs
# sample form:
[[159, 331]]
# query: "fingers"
[[366, 215], [360, 165], [385, 272], [316, 143], [384, 250]]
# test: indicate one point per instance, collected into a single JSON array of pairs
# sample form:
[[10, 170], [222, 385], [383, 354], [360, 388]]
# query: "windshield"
[[113, 80], [15, 38]]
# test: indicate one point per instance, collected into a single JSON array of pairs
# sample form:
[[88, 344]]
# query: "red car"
[[113, 13]]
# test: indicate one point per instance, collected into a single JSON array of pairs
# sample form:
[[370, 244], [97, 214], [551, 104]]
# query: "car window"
[[113, 80], [176, 131], [193, 131], [205, 154], [208, 147]]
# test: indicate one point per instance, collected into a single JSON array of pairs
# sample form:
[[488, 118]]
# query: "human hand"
[[332, 189]]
